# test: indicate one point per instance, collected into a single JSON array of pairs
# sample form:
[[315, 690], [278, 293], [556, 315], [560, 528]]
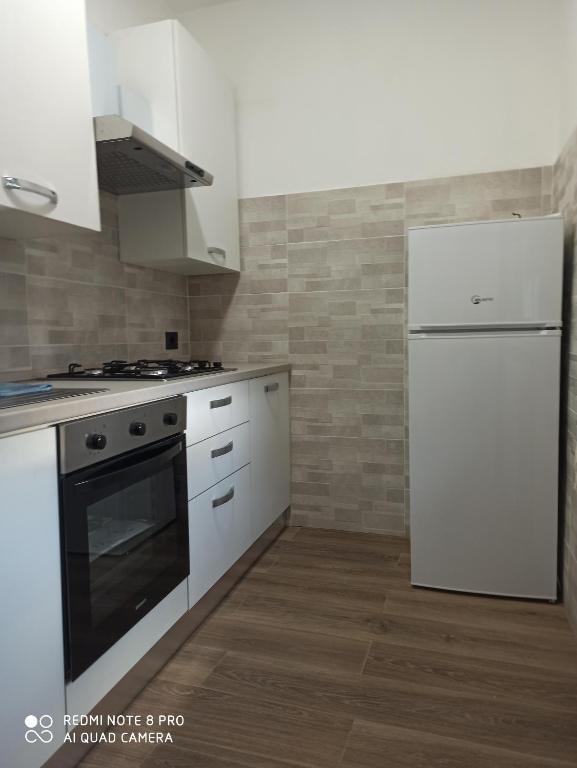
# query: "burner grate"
[[149, 370]]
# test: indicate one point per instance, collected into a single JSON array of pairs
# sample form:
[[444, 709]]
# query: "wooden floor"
[[324, 656]]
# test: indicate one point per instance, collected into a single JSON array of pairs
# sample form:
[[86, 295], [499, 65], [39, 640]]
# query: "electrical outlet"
[[171, 340]]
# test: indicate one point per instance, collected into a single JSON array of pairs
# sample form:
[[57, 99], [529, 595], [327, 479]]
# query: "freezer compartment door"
[[498, 273], [483, 442]]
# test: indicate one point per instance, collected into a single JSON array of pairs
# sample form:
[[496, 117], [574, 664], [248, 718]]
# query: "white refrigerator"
[[484, 337]]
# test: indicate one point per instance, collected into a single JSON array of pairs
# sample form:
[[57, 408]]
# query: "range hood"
[[131, 161]]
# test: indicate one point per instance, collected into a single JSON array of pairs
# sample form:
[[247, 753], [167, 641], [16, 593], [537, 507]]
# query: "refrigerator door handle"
[[493, 333], [414, 327]]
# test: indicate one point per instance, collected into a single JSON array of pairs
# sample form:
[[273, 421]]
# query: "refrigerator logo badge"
[[478, 299]]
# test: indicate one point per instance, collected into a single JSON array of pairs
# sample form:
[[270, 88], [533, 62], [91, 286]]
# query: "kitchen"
[[286, 383]]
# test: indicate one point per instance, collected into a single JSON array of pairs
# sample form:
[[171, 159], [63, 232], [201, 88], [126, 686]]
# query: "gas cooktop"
[[122, 370]]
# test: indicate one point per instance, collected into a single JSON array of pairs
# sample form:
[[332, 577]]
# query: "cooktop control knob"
[[96, 442], [138, 428], [171, 419]]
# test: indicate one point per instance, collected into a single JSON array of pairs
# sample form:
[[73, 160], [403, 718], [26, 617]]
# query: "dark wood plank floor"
[[324, 656]]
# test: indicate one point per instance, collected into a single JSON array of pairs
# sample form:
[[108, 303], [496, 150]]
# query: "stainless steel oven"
[[124, 522]]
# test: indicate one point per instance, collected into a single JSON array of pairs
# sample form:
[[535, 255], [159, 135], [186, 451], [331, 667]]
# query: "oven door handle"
[[137, 468]]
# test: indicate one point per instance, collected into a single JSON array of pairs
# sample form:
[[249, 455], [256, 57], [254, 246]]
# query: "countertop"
[[119, 394]]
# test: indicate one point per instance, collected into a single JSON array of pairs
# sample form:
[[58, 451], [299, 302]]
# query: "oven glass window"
[[126, 544], [132, 539]]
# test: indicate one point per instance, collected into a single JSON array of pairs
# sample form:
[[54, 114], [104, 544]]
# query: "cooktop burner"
[[142, 369]]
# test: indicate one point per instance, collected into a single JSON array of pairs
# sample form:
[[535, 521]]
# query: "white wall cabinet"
[[31, 638], [270, 450], [192, 231], [46, 134]]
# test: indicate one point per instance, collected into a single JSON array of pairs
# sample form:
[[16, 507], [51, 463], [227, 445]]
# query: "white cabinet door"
[[193, 111], [31, 638], [207, 133], [46, 134], [219, 531], [145, 63], [270, 450]]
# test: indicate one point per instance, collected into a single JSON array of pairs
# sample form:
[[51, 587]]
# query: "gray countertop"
[[119, 394]]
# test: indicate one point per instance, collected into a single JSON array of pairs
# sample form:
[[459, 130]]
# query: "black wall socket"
[[171, 340]]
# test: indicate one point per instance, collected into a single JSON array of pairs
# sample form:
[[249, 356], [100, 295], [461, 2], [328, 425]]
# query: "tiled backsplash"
[[565, 199], [323, 286], [72, 299]]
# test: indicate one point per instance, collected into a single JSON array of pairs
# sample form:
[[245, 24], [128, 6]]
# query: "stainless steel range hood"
[[131, 161]]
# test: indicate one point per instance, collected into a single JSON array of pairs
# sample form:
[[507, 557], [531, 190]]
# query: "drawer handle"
[[271, 387], [12, 182], [214, 251], [222, 451], [223, 499], [221, 403]]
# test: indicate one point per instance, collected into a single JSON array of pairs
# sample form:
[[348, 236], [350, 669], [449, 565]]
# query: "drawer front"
[[213, 459], [215, 410], [219, 531]]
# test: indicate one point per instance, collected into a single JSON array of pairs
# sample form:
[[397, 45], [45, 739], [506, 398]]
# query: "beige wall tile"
[[72, 299]]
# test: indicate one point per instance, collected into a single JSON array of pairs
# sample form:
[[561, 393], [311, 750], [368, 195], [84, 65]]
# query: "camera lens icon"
[[38, 729]]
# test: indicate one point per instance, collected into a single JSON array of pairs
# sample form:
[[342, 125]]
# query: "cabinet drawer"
[[215, 410], [213, 459], [219, 531]]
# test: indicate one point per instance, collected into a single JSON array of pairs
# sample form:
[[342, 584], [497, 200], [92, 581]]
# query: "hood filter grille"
[[127, 167]]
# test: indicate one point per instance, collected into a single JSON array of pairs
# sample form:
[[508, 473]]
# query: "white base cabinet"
[[46, 135], [238, 472], [31, 637], [270, 450], [219, 531]]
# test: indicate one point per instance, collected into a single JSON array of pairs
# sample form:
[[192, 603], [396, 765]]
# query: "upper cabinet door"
[[47, 152], [207, 131], [192, 107], [144, 58]]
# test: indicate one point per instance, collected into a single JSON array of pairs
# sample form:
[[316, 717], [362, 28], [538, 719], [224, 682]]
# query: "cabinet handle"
[[222, 451], [223, 499], [12, 182], [214, 251], [221, 403], [271, 387]]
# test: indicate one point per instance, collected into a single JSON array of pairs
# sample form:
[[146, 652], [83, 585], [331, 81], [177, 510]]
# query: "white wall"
[[568, 119], [335, 93]]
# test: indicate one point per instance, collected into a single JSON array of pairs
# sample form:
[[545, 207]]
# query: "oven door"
[[125, 544]]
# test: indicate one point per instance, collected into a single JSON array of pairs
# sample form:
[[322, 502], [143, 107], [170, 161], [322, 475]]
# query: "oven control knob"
[[138, 428], [96, 442], [171, 419]]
